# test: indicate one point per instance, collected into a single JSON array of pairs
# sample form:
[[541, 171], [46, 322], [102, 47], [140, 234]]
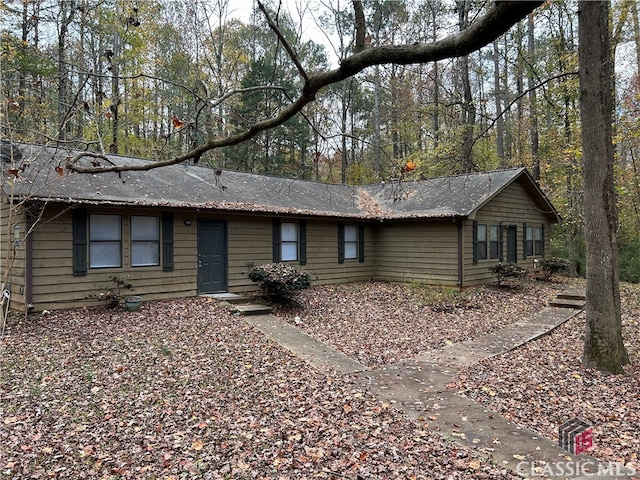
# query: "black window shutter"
[[340, 242], [79, 226], [361, 243], [277, 254], [524, 241], [475, 241], [500, 242], [167, 242], [543, 242], [303, 242]]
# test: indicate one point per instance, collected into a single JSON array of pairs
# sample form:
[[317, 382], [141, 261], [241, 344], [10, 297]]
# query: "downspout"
[[460, 282]]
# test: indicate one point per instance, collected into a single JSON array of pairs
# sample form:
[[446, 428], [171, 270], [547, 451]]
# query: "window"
[[105, 241], [481, 242], [538, 240], [145, 241], [494, 241], [289, 242], [350, 241], [528, 240]]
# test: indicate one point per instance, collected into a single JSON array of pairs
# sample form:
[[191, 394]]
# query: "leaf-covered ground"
[[543, 384], [380, 323], [540, 385], [182, 389]]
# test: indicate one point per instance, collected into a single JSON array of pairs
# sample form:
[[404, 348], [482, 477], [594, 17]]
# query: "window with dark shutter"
[[340, 242], [167, 242], [79, 226], [276, 240], [303, 241]]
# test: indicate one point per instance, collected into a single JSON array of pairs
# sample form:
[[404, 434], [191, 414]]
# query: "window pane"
[[104, 254], [537, 233], [350, 233], [351, 250], [482, 250], [289, 232], [528, 233], [289, 251], [145, 228], [482, 233], [145, 254], [493, 233], [104, 227]]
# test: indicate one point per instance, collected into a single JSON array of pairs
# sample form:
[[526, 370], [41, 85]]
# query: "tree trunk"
[[498, 103], [603, 346], [533, 101], [468, 107]]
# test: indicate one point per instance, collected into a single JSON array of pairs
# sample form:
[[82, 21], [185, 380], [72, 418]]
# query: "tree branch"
[[481, 32], [292, 55]]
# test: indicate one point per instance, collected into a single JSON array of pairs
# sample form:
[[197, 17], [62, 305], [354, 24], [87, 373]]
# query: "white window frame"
[[350, 242], [105, 241], [481, 242], [289, 240], [145, 245]]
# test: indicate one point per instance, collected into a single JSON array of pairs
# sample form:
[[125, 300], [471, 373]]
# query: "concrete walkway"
[[418, 386]]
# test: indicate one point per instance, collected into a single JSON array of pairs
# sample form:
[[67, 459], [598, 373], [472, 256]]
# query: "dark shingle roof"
[[183, 186]]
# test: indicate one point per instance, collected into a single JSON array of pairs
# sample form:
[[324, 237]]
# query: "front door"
[[512, 244], [212, 256]]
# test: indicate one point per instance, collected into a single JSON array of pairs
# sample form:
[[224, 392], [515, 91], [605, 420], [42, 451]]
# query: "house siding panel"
[[512, 206], [53, 265], [11, 257], [423, 252]]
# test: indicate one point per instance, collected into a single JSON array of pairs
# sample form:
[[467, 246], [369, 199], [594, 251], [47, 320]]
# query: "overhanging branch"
[[481, 32]]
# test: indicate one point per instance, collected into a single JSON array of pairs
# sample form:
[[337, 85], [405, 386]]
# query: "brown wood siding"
[[12, 258], [55, 286], [251, 243], [512, 206], [422, 252]]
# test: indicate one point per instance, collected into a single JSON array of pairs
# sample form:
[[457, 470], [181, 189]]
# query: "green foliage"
[[502, 271], [554, 265], [629, 261], [279, 281]]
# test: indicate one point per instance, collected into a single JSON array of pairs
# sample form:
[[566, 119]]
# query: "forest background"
[[156, 78]]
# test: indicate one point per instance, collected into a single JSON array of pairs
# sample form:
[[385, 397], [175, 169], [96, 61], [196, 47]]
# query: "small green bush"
[[502, 271], [279, 281], [553, 266]]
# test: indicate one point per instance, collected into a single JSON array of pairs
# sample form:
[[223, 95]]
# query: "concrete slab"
[[316, 353], [227, 297], [251, 309]]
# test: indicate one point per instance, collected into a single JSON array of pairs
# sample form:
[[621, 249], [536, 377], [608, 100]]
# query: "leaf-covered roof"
[[194, 187]]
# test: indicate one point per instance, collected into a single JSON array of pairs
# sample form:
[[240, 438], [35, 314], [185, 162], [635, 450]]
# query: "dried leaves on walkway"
[[379, 323], [182, 389]]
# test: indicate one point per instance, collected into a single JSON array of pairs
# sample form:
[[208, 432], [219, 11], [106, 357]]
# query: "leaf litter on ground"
[[183, 390]]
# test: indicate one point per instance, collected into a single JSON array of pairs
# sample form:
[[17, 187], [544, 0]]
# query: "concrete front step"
[[251, 309], [567, 303], [232, 298]]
